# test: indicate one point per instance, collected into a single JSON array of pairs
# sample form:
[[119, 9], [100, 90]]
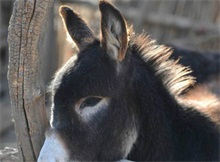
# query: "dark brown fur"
[[145, 119]]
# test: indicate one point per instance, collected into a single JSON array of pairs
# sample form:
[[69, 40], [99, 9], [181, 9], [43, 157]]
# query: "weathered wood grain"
[[26, 91]]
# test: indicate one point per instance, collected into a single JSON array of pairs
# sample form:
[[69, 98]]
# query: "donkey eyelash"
[[87, 107], [90, 102]]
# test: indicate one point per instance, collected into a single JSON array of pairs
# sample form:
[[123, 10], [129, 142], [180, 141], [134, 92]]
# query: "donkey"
[[118, 99]]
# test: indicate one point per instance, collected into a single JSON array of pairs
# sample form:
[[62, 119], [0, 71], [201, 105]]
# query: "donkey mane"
[[174, 76]]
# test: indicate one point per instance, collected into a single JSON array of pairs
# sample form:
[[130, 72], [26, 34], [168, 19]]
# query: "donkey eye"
[[90, 102]]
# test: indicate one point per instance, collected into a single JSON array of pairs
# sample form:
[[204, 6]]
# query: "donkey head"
[[93, 114]]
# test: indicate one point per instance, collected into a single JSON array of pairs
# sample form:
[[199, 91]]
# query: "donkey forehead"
[[92, 73]]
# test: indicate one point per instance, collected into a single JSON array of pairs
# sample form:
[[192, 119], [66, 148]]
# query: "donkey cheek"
[[53, 150]]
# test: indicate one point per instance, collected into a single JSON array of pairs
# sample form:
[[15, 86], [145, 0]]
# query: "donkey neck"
[[165, 124], [157, 109]]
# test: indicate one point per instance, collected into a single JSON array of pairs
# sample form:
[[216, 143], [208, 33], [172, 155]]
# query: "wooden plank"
[[169, 20], [25, 83]]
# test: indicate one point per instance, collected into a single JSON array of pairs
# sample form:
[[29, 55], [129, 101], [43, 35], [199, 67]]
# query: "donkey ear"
[[81, 34], [114, 32]]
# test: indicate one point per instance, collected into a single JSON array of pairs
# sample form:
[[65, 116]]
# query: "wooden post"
[[24, 74]]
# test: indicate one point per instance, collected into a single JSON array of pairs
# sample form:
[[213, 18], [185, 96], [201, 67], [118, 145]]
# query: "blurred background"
[[190, 24]]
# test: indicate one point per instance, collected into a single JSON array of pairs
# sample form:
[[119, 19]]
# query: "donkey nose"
[[53, 149]]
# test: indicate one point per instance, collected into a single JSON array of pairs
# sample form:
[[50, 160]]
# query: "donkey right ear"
[[81, 34], [114, 31]]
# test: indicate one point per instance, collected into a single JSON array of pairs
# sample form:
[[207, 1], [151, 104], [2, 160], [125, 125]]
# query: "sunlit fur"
[[174, 76]]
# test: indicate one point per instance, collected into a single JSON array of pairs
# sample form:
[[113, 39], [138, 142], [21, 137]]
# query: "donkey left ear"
[[114, 31], [79, 31]]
